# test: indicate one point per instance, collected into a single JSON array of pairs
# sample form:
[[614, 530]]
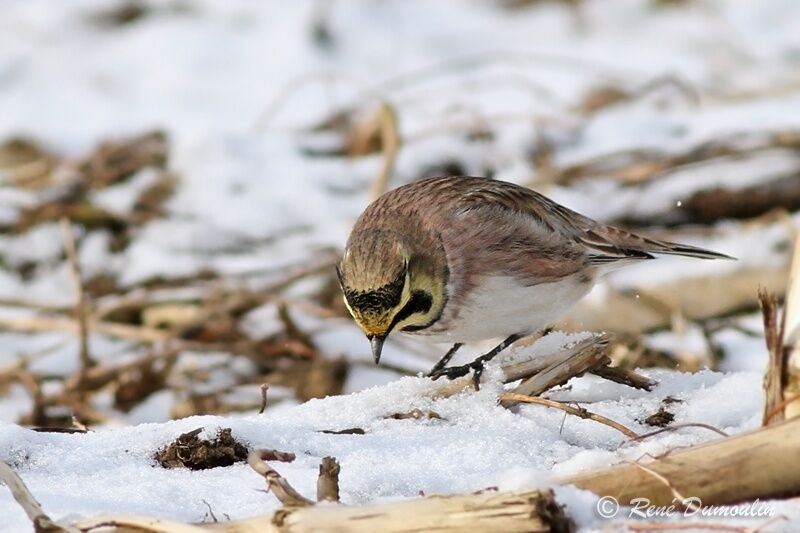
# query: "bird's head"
[[388, 287]]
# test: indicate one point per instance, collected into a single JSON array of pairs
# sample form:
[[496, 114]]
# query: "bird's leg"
[[478, 364], [445, 359]]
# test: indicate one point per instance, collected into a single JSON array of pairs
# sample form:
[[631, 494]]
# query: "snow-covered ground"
[[474, 445], [236, 84]]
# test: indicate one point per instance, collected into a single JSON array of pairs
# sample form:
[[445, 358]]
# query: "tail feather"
[[672, 248], [616, 244], [609, 243]]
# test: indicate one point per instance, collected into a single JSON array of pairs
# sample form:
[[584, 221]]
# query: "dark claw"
[[476, 376], [436, 371], [456, 372], [451, 372]]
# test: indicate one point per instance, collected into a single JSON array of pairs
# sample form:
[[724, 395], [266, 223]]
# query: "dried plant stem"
[[682, 501], [281, 488], [81, 303], [139, 524], [725, 471], [585, 360], [58, 323], [774, 376], [264, 388], [32, 508], [328, 480], [390, 144], [624, 376], [776, 414], [675, 427], [576, 411], [550, 370], [790, 330], [489, 511]]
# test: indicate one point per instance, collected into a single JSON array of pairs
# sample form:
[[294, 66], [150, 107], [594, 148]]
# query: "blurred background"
[[177, 179]]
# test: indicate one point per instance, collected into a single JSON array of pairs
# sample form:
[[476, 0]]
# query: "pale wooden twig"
[[50, 323], [720, 472], [38, 306], [287, 495], [514, 370], [576, 411], [201, 290], [790, 330], [549, 369], [624, 376], [486, 511], [79, 426], [264, 388], [775, 373], [594, 356], [32, 508], [139, 524], [390, 143], [81, 304], [328, 480]]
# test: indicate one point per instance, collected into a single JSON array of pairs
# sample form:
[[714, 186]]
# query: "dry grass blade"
[[681, 499], [680, 426], [576, 411], [776, 414]]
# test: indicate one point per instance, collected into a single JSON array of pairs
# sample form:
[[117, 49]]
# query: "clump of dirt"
[[190, 451], [662, 418]]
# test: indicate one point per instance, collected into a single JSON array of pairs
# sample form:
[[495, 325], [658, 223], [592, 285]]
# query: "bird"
[[460, 259]]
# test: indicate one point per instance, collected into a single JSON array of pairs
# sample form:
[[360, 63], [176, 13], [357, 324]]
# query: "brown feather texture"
[[486, 253]]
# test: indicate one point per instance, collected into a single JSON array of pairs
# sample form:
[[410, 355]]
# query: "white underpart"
[[502, 306]]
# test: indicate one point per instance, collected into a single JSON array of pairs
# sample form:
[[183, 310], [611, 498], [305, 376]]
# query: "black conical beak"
[[376, 341]]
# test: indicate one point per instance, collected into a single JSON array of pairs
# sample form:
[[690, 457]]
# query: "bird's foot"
[[453, 372], [442, 363], [476, 366]]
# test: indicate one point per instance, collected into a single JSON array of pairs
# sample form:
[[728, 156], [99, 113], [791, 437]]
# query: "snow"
[[236, 86], [475, 444]]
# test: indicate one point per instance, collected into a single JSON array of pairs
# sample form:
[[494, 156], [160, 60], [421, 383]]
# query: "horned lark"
[[461, 259]]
